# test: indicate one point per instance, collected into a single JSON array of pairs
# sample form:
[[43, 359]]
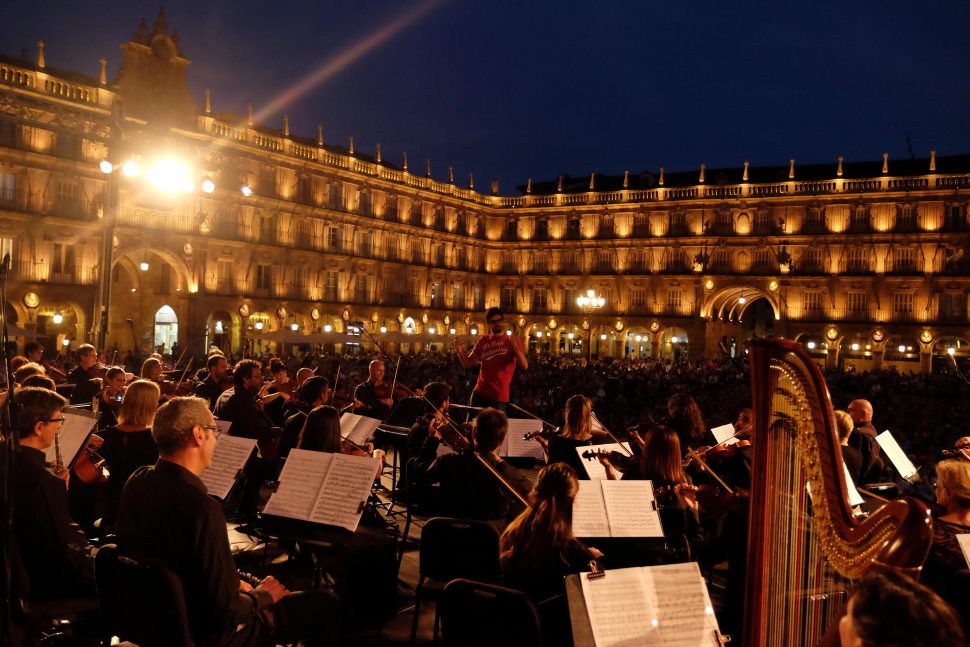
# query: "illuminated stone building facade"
[[865, 263]]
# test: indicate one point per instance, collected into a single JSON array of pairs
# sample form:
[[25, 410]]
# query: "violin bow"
[[610, 433], [700, 461], [184, 373]]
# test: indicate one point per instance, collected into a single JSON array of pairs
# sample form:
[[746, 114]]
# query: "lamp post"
[[588, 303]]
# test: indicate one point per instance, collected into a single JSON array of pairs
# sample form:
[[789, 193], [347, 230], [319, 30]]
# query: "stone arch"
[[726, 303], [130, 257]]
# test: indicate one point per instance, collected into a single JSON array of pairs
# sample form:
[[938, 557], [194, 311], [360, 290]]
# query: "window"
[[638, 298], [67, 196], [414, 292], [573, 228], [437, 297], [335, 238], [953, 306], [267, 229], [364, 203], [511, 230], [331, 286], [416, 212], [417, 251], [461, 260], [607, 228], [458, 296], [8, 186], [641, 224], [391, 210], [267, 182], [335, 197], [605, 262], [225, 271], [509, 266], [300, 276], [857, 259], [540, 263], [903, 303], [366, 244], [813, 260], [508, 298], [264, 277], [812, 301], [439, 218], [904, 259], [540, 300], [674, 299], [439, 255], [542, 229], [571, 263], [478, 294], [63, 261], [304, 189], [362, 288], [67, 145], [857, 301]]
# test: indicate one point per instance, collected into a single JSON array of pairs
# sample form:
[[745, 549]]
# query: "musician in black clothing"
[[85, 387], [55, 553], [239, 404], [167, 515], [438, 394], [372, 404], [314, 393], [863, 438], [210, 388], [458, 485]]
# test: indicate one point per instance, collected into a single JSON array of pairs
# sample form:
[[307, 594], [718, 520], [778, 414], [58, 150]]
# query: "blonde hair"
[[843, 424], [954, 477], [149, 365], [578, 423], [140, 403]]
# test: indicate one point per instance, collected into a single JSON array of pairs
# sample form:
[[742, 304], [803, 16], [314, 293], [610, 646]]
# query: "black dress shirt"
[[166, 514], [55, 552], [248, 420], [373, 407], [209, 391], [85, 388]]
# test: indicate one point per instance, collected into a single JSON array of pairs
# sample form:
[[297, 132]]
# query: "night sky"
[[514, 89]]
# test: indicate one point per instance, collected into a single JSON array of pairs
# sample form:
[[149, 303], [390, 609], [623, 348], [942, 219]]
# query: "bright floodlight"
[[603, 337], [638, 338], [539, 334], [294, 326], [170, 176], [902, 348], [106, 167], [431, 330], [57, 318], [675, 340], [131, 169], [208, 186], [259, 325], [246, 190], [474, 331], [452, 331], [383, 329], [571, 335], [143, 266], [811, 345], [327, 328], [742, 300], [66, 342], [855, 346], [951, 351]]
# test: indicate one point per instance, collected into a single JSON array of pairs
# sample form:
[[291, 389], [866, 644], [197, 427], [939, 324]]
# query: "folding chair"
[[477, 614]]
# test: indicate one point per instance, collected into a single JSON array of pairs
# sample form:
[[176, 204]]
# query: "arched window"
[[166, 329]]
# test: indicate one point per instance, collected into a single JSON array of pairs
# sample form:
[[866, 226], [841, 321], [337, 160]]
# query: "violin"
[[89, 466], [544, 432]]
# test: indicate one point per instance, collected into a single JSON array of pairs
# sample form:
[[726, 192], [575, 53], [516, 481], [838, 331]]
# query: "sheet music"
[[854, 497], [515, 446], [358, 429], [345, 487], [896, 455], [300, 483], [443, 450], [723, 433], [630, 508], [77, 426], [224, 426], [684, 614], [594, 468], [228, 459], [589, 511], [619, 609], [964, 541]]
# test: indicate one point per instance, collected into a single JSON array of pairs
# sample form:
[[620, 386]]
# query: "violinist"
[[374, 394], [684, 417], [108, 401], [277, 393], [576, 432], [34, 352], [660, 462], [457, 485], [86, 377], [321, 433], [22, 372], [315, 392], [216, 380], [55, 551], [128, 445]]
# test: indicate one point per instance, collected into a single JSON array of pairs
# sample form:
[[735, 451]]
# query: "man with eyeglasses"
[[55, 554], [166, 514], [499, 353]]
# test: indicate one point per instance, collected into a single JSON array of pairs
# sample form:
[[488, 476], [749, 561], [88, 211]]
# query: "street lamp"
[[588, 303]]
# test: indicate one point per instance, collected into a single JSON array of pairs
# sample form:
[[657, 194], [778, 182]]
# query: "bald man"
[[863, 438]]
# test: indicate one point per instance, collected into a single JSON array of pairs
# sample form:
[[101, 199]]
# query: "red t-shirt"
[[498, 364]]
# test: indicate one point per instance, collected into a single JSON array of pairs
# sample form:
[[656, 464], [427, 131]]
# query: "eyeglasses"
[[215, 429], [59, 421]]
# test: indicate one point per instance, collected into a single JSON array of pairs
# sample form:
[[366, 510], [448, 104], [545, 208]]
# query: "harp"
[[804, 543]]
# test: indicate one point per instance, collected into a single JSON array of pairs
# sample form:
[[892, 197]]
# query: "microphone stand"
[[10, 456]]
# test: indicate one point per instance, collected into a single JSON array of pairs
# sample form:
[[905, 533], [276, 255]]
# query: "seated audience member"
[[577, 431], [54, 551], [946, 570], [166, 514], [851, 456], [129, 445], [888, 609], [538, 549], [458, 485]]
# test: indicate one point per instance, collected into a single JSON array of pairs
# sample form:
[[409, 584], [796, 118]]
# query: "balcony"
[[60, 274]]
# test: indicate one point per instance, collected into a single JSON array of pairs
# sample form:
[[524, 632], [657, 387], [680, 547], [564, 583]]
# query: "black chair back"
[[141, 601], [459, 548], [476, 613]]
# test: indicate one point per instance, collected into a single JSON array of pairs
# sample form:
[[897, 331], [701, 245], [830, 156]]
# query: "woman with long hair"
[[684, 417], [321, 433], [107, 402], [129, 445], [577, 431], [946, 568]]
